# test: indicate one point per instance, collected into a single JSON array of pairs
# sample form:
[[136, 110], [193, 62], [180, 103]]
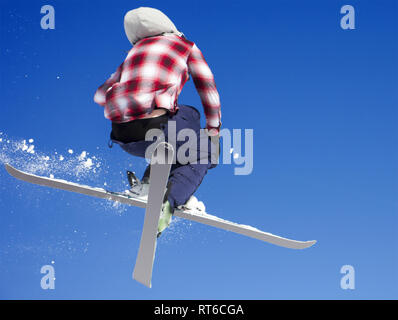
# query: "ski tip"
[[299, 244], [310, 243], [147, 283], [10, 169]]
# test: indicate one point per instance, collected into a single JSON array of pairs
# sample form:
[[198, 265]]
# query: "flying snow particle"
[[31, 140], [82, 155], [24, 146], [236, 156], [51, 176], [31, 149], [88, 163], [61, 158], [70, 151]]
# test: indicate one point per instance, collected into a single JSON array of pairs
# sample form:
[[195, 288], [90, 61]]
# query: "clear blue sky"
[[323, 105]]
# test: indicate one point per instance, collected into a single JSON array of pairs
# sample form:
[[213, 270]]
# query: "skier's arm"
[[205, 85], [100, 94]]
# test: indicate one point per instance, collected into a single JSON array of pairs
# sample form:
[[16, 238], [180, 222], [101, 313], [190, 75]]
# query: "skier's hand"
[[213, 132]]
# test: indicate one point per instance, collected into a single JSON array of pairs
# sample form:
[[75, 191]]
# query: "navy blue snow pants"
[[184, 179]]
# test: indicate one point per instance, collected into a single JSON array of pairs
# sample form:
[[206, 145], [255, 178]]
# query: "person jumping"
[[143, 94]]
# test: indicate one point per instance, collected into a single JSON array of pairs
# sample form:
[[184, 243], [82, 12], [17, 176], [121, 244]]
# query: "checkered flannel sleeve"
[[205, 85], [100, 94]]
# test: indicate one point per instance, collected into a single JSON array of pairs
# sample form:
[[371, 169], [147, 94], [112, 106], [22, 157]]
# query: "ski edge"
[[200, 218], [246, 231], [70, 186], [157, 184]]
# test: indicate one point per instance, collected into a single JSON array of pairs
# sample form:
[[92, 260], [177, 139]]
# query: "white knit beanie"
[[147, 22]]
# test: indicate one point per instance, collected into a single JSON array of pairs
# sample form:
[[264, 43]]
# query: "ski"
[[190, 215], [160, 169]]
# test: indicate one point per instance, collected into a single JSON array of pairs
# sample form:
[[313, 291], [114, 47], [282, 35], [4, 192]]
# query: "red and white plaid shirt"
[[153, 75]]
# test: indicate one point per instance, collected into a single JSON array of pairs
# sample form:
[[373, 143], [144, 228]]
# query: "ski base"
[[129, 200], [160, 170]]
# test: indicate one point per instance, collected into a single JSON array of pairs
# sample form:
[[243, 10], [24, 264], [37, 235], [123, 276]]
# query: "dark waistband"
[[136, 130]]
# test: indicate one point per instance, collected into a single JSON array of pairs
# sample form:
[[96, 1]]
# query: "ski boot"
[[165, 217], [193, 205], [138, 189]]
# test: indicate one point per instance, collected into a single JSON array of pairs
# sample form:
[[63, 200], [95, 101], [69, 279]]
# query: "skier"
[[142, 94]]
